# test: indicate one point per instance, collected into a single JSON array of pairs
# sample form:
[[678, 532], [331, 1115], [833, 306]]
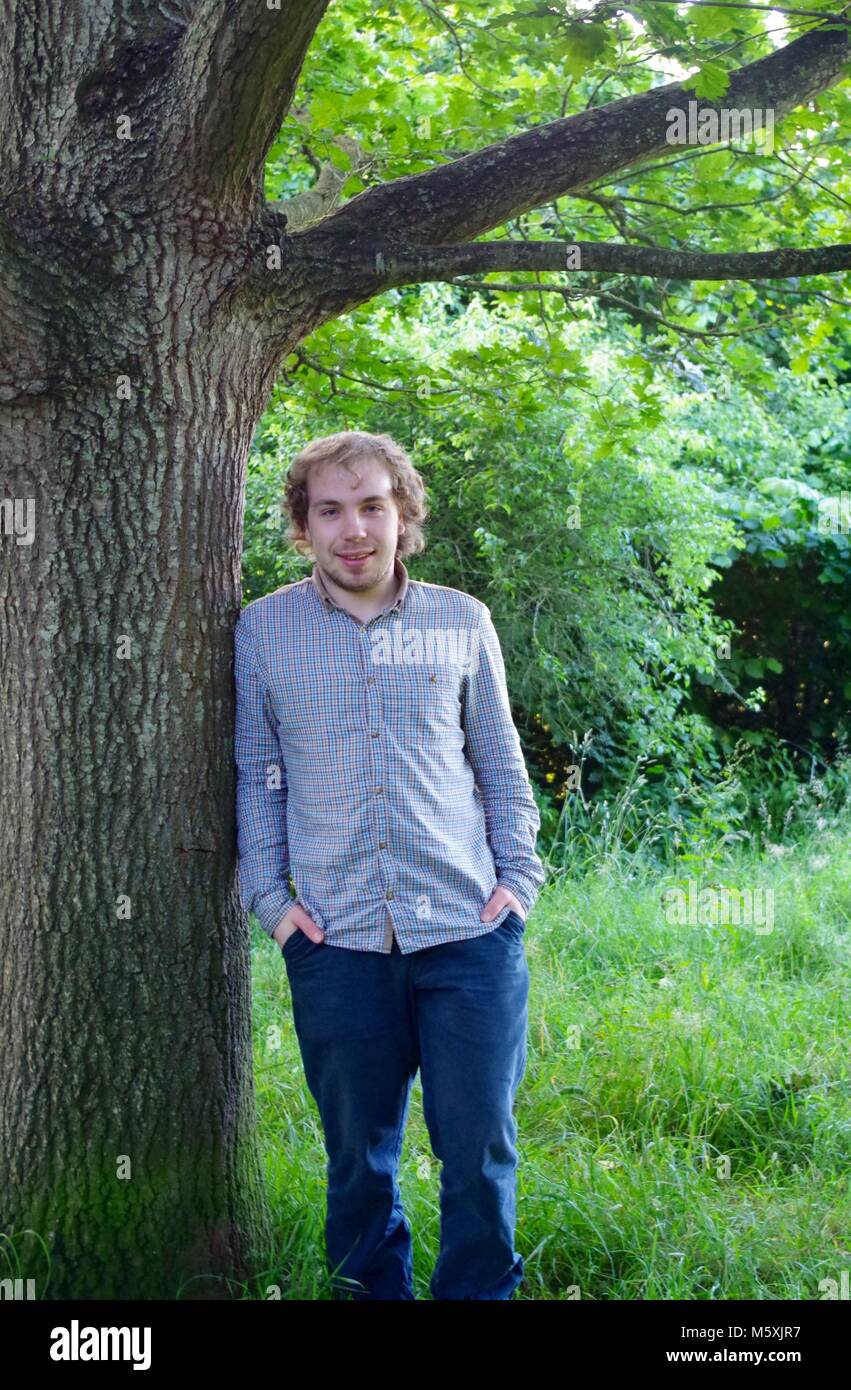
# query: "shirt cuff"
[[523, 890], [270, 908]]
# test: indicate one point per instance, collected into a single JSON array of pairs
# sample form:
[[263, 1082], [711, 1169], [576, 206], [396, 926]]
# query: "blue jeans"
[[365, 1022]]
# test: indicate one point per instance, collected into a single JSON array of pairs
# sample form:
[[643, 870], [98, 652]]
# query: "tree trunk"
[[126, 1093]]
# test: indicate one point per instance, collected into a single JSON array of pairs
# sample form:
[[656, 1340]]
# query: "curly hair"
[[345, 448]]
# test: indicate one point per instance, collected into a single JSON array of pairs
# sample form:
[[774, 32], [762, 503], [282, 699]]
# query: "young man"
[[378, 766]]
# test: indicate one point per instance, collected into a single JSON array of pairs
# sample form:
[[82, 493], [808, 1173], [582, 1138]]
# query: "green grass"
[[685, 1118]]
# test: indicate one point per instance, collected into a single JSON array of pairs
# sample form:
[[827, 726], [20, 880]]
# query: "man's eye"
[[329, 511]]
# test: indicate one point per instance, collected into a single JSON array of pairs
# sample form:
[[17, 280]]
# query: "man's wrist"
[[272, 908], [519, 889]]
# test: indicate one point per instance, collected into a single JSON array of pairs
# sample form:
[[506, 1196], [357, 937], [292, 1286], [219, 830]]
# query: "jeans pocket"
[[285, 949], [515, 922]]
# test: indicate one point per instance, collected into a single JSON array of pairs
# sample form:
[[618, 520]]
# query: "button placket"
[[374, 730]]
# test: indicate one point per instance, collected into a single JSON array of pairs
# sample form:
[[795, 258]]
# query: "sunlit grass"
[[684, 1121]]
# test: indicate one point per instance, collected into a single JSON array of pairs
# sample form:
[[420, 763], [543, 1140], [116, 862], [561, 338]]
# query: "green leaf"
[[711, 81], [706, 22], [712, 167]]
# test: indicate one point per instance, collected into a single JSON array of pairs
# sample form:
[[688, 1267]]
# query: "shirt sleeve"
[[261, 791], [492, 748]]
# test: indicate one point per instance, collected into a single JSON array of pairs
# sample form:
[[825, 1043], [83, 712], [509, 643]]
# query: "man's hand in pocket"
[[500, 898], [296, 919]]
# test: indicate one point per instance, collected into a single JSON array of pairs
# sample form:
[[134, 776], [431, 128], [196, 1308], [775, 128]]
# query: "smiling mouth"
[[360, 555]]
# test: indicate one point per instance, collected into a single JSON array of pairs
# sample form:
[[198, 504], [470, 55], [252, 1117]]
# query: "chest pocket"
[[422, 700]]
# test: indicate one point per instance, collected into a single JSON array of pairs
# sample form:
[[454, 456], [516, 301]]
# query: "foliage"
[[591, 549], [787, 671], [599, 459], [417, 85]]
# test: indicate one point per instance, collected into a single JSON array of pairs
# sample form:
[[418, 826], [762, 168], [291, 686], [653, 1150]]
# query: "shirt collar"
[[399, 571]]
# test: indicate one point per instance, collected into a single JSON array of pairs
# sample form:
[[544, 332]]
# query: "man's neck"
[[362, 606]]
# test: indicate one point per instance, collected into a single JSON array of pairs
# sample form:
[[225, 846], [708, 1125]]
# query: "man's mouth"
[[356, 557]]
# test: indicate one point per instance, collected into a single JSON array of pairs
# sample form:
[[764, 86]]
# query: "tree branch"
[[344, 275], [238, 68], [391, 265], [481, 191]]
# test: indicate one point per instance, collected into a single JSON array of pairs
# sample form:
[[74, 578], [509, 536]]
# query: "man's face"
[[349, 515]]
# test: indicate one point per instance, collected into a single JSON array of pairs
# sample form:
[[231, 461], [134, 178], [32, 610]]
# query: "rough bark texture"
[[142, 325], [133, 375], [127, 1036]]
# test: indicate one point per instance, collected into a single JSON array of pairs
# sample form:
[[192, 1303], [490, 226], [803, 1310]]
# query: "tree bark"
[[124, 990]]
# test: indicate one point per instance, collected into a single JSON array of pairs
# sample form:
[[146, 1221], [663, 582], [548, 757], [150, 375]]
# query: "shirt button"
[[377, 790], [382, 844], [375, 733], [370, 680], [388, 895]]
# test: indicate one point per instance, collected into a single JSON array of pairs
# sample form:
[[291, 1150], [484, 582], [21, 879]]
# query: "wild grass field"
[[685, 1118]]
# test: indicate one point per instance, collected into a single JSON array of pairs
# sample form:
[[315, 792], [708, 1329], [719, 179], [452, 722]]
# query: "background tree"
[[150, 292]]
